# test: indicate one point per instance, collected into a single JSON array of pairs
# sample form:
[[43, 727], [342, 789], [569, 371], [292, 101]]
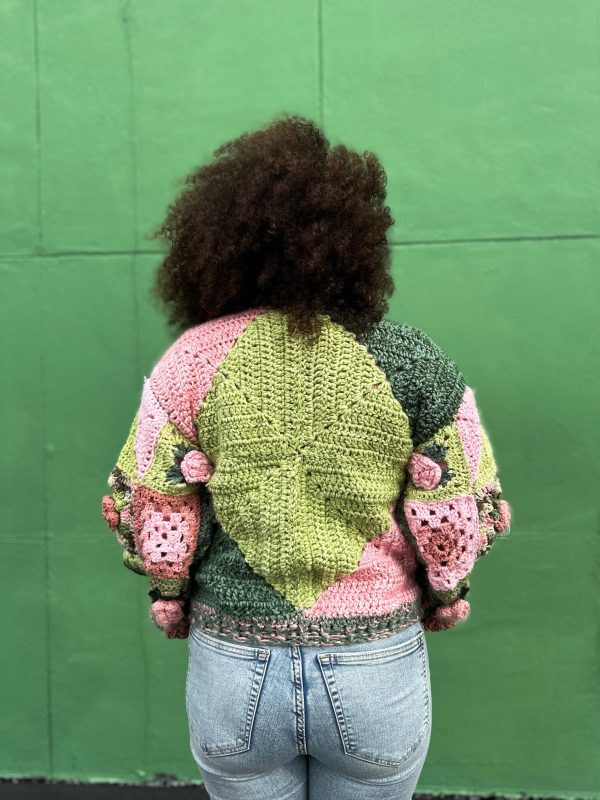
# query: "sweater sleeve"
[[154, 503], [452, 502]]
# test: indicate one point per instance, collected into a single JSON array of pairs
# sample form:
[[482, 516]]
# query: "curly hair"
[[279, 218]]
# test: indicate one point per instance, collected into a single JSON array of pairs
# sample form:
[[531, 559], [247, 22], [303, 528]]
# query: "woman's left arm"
[[154, 502]]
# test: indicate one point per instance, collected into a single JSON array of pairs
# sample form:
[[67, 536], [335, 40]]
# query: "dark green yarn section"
[[133, 562], [167, 588], [424, 379], [446, 597], [227, 583], [225, 580], [207, 526]]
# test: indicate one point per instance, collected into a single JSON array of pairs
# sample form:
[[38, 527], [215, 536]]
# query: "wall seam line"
[[38, 129], [320, 62]]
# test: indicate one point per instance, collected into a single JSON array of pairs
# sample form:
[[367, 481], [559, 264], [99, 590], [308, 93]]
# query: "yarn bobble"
[[109, 512], [424, 471], [503, 521], [445, 617], [196, 467], [165, 613]]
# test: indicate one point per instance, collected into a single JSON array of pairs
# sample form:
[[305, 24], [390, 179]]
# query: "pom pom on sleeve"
[[444, 617], [109, 512], [170, 617], [502, 524]]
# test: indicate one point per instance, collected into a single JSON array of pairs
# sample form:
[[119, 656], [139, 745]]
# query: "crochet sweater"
[[286, 492]]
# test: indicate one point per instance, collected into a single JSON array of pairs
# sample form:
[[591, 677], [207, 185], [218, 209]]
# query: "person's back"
[[304, 507]]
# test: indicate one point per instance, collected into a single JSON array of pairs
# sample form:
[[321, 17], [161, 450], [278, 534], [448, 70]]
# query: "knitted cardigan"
[[279, 491]]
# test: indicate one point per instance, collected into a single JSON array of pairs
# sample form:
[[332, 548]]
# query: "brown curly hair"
[[278, 218]]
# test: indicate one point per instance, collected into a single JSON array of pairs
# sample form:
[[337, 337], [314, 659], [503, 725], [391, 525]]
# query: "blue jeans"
[[309, 723]]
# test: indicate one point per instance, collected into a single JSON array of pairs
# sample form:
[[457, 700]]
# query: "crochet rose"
[[196, 467], [424, 471], [109, 512]]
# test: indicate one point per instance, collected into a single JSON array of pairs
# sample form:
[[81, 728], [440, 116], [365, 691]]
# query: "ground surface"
[[40, 789]]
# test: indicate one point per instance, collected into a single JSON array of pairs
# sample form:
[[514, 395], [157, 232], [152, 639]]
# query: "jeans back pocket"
[[223, 686], [381, 700]]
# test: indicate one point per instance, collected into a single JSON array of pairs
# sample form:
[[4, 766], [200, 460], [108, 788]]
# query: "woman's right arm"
[[452, 502]]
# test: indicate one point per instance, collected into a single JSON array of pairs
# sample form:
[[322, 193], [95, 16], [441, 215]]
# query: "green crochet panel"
[[163, 474], [425, 381]]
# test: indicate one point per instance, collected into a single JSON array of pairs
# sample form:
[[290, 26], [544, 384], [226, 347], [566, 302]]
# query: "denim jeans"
[[309, 722]]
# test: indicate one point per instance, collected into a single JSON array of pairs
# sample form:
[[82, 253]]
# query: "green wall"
[[486, 115]]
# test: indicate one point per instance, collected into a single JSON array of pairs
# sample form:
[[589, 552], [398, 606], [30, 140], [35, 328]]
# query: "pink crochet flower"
[[503, 521], [196, 467], [444, 546], [109, 512], [424, 471]]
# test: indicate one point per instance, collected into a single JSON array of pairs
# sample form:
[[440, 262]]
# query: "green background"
[[486, 116]]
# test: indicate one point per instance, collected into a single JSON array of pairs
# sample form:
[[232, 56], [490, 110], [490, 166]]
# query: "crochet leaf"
[[311, 457]]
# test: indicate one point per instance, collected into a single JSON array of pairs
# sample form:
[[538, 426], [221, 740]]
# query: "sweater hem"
[[301, 630]]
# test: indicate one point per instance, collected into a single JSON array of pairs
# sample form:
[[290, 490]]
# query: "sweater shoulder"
[[206, 340], [425, 379], [185, 371], [400, 340]]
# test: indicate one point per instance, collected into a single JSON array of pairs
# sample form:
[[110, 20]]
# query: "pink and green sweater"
[[279, 491]]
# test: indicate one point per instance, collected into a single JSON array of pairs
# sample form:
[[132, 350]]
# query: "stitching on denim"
[[299, 708], [328, 660], [338, 710], [402, 648], [231, 648], [260, 669]]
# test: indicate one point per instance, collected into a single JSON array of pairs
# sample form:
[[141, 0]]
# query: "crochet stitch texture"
[[283, 492]]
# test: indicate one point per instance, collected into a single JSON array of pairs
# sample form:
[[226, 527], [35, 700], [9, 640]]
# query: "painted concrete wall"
[[486, 116]]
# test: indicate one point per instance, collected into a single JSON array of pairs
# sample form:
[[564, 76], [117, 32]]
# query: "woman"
[[306, 484]]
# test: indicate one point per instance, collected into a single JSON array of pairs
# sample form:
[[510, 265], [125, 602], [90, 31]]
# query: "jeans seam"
[[255, 692], [403, 648]]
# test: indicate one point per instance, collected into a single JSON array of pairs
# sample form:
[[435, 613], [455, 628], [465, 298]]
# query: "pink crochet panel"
[[165, 530], [186, 370], [447, 534], [151, 419], [165, 526], [469, 428], [387, 566]]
